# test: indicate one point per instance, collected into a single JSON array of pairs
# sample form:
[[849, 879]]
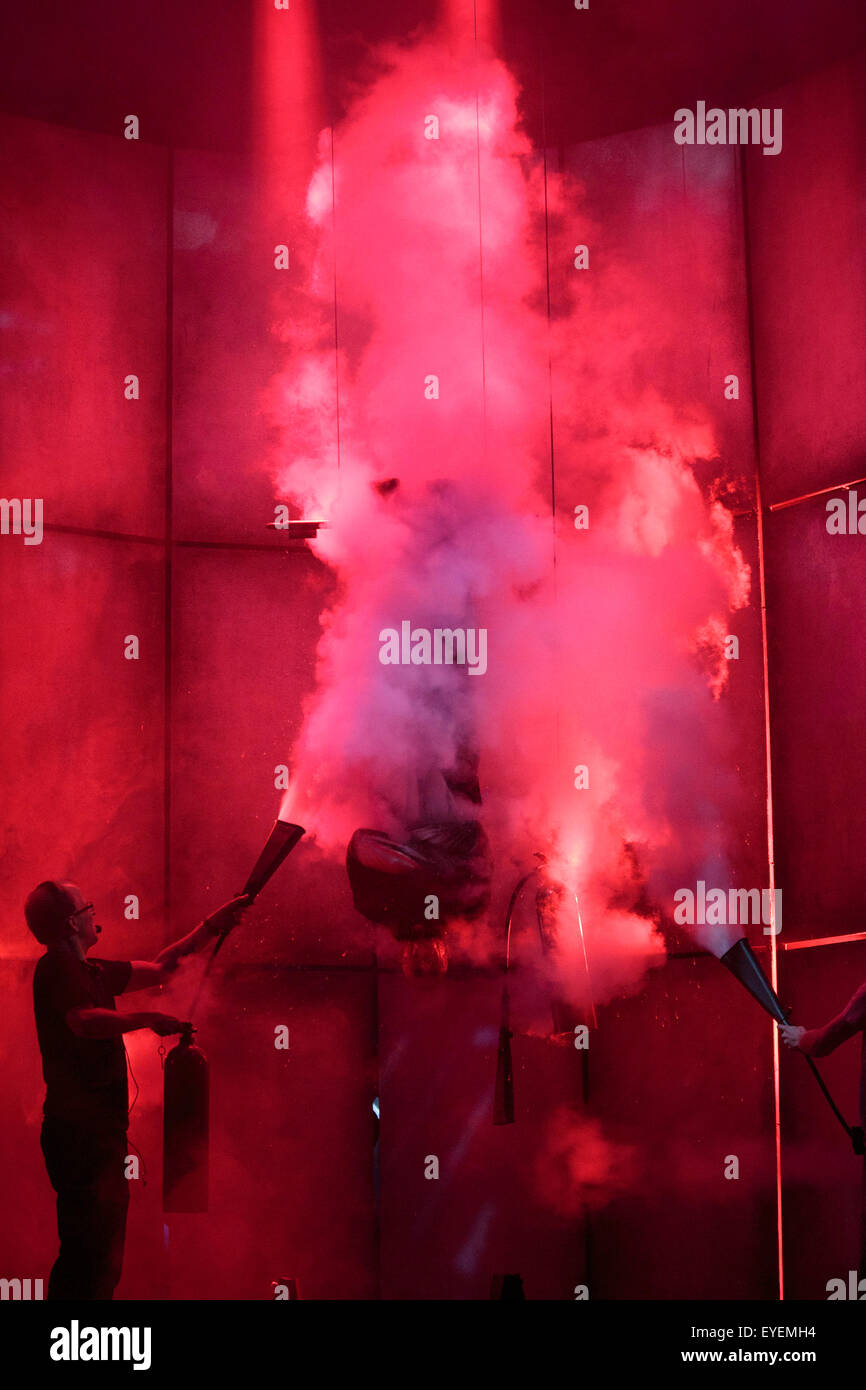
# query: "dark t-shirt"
[[85, 1077]]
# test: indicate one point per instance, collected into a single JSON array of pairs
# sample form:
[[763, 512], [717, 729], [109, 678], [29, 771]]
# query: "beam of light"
[[288, 96], [585, 963], [289, 125], [824, 941], [821, 492]]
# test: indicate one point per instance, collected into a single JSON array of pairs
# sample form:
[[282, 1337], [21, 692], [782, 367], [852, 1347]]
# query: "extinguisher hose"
[[854, 1132], [213, 955]]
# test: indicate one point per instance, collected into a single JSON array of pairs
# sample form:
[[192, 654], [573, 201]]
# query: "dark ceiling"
[[184, 67]]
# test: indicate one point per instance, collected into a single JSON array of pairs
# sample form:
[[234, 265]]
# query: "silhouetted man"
[[84, 1065], [817, 1042]]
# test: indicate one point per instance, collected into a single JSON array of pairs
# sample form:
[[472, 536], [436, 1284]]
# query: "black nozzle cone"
[[742, 962], [281, 841]]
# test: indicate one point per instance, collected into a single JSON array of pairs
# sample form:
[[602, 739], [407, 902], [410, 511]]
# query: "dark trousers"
[[86, 1168]]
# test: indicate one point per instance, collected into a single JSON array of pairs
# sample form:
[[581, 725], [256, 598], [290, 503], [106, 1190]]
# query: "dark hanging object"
[[503, 1096], [507, 1286]]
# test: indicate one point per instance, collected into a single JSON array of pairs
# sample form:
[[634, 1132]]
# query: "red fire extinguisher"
[[186, 1125]]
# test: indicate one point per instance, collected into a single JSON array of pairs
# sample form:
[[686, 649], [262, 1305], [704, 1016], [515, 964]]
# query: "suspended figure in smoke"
[[432, 864], [439, 872]]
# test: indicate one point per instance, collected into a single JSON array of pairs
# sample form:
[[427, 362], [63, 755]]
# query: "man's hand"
[[228, 915], [164, 1024], [791, 1034], [217, 924]]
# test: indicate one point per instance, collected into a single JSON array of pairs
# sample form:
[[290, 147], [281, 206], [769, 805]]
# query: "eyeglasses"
[[78, 910]]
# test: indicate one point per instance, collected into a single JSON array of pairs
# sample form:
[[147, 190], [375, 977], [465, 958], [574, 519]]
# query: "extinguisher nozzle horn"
[[280, 843], [743, 965]]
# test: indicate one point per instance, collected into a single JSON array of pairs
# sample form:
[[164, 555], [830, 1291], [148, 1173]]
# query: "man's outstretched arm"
[[106, 1023], [145, 974], [817, 1042]]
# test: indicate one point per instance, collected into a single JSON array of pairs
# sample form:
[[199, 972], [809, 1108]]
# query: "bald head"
[[48, 910]]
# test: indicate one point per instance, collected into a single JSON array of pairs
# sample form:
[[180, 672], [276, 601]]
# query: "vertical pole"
[[169, 532], [167, 593], [377, 1157]]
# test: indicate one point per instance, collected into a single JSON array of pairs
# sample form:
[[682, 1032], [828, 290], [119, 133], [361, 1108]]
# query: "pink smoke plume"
[[439, 507], [578, 1169]]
